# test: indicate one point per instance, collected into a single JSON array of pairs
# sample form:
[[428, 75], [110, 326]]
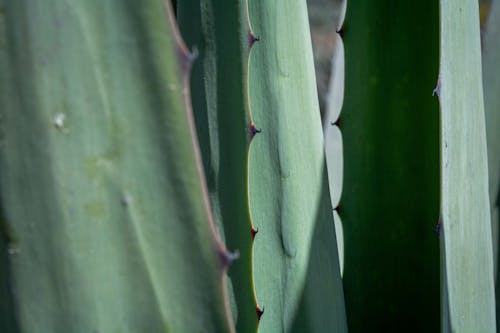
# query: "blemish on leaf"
[[58, 121], [126, 200]]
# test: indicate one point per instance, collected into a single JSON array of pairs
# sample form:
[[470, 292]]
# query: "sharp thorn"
[[437, 227], [228, 257], [337, 122], [341, 32], [252, 38], [193, 54], [254, 232], [188, 57], [259, 311], [253, 130], [437, 89]]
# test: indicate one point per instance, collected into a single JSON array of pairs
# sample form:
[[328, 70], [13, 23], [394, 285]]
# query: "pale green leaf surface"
[[109, 227], [297, 275], [466, 227], [335, 96], [334, 161], [219, 30], [331, 121]]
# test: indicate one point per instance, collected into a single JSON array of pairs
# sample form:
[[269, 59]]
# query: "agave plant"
[[164, 168]]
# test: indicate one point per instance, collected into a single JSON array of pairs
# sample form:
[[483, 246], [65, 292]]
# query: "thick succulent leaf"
[[335, 162], [219, 30], [390, 198], [325, 18], [491, 84], [331, 119], [109, 227], [335, 96], [297, 275], [466, 238]]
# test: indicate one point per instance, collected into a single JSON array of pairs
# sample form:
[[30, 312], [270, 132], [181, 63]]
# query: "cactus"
[[163, 180], [223, 39], [468, 288], [390, 199], [101, 186], [283, 170], [289, 196]]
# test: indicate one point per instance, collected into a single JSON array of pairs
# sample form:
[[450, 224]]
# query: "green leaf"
[[466, 239], [297, 275], [101, 187], [390, 198], [333, 136], [219, 30]]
